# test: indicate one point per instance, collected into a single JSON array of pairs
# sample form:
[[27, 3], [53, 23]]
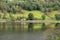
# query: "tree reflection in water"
[[30, 26]]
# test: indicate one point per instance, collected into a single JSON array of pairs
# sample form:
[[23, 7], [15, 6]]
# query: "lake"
[[29, 31]]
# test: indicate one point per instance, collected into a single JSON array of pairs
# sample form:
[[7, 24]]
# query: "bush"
[[57, 16], [30, 16], [13, 17], [43, 17]]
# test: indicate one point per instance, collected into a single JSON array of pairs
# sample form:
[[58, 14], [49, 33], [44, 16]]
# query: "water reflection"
[[14, 31], [17, 26], [43, 26], [30, 26]]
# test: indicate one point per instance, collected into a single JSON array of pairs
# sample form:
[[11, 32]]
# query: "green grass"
[[37, 14]]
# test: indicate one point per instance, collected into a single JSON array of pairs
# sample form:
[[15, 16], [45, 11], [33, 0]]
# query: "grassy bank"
[[37, 15]]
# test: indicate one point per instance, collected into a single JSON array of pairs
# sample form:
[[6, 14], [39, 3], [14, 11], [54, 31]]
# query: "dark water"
[[16, 31]]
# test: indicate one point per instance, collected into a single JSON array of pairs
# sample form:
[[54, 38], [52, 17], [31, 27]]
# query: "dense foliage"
[[17, 5], [8, 8], [30, 16]]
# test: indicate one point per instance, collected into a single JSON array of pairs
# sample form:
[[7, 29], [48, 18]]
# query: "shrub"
[[30, 16], [57, 16], [43, 17]]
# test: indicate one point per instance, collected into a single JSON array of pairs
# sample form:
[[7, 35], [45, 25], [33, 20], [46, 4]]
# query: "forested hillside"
[[41, 5], [20, 6]]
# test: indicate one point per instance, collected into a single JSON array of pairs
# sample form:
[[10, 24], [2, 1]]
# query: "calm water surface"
[[22, 36], [14, 34]]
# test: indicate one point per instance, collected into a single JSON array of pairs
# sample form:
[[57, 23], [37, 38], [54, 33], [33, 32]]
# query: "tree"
[[30, 16]]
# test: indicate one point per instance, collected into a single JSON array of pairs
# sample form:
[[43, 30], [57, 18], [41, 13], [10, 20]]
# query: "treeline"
[[41, 5]]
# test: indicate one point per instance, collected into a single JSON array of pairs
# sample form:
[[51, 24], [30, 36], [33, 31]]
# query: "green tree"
[[30, 16]]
